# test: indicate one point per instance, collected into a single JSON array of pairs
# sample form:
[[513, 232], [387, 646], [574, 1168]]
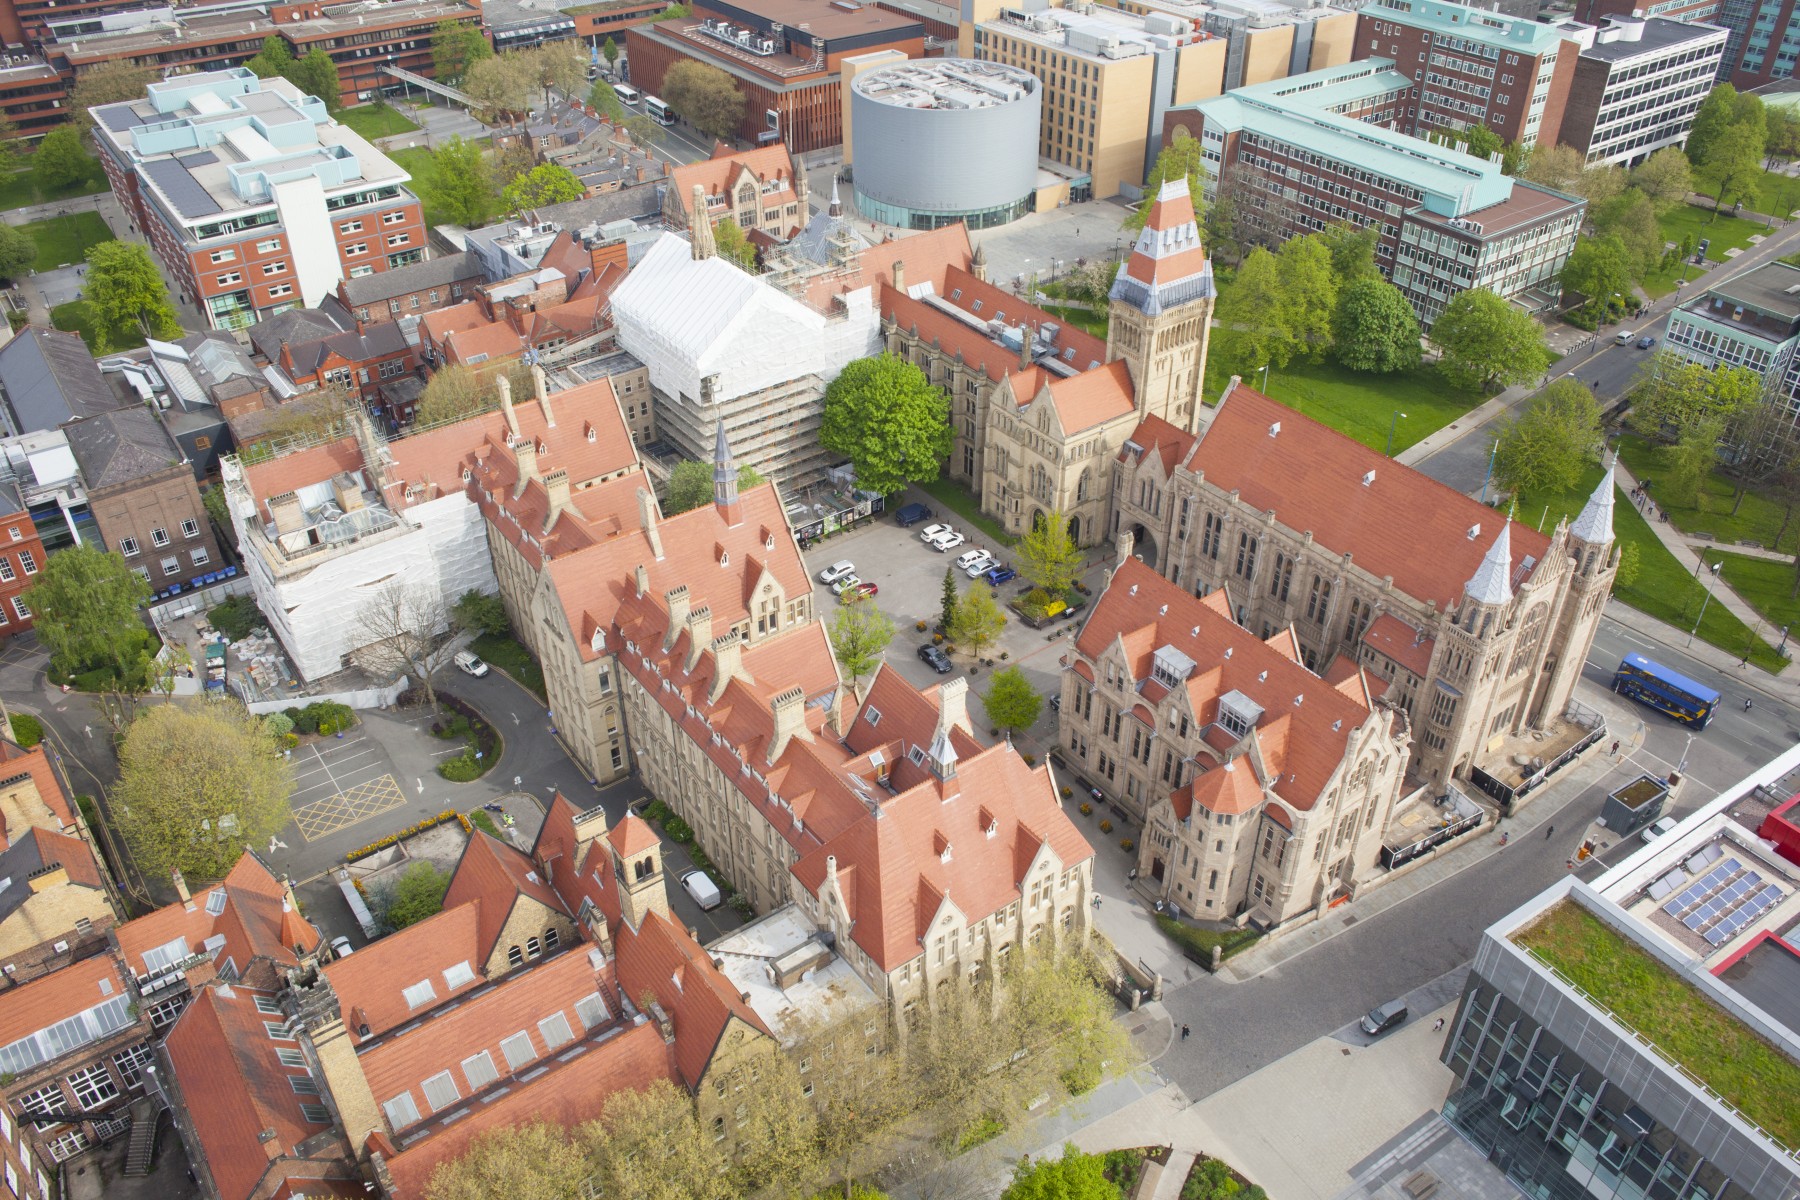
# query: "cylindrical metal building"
[[945, 139]]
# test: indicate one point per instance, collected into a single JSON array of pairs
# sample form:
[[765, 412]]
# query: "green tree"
[[1484, 341], [1048, 557], [85, 603], [605, 101], [1253, 327], [1180, 159], [1074, 1176], [17, 253], [1555, 166], [1598, 268], [61, 159], [417, 894], [1220, 226], [676, 12], [1782, 134], [1352, 251], [212, 498], [273, 60], [108, 83], [1309, 293], [503, 83], [1374, 328], [1631, 218], [198, 782], [1550, 443], [776, 1145], [12, 146], [555, 66], [538, 1161], [456, 391], [706, 97], [1011, 702], [642, 130], [1734, 167], [459, 187], [1665, 178], [1718, 112], [860, 631], [978, 620], [733, 246], [947, 605], [455, 47], [1691, 459], [549, 183], [1629, 565], [648, 1144], [481, 612], [1483, 142], [884, 416], [609, 50], [317, 75], [691, 485], [124, 291], [1674, 394]]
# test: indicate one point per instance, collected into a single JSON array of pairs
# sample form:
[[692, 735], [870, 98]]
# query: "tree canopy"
[[859, 632], [733, 246], [455, 47], [1598, 269], [1674, 394], [691, 484], [1485, 340], [125, 290], [459, 186], [605, 101], [108, 83], [17, 252], [456, 391], [1074, 1176], [532, 1162], [1011, 702], [1374, 329], [1048, 557], [545, 184], [197, 782], [1665, 178], [481, 612], [1726, 143], [705, 97], [884, 416], [85, 602], [1253, 327], [1550, 443], [1309, 293], [61, 159], [417, 894], [978, 620], [1180, 159]]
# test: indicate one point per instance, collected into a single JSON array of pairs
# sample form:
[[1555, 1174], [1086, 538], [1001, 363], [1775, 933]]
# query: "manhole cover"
[[1137, 1029], [1350, 920]]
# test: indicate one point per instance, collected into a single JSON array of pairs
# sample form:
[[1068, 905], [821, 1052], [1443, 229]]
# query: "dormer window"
[[1170, 667], [1238, 713]]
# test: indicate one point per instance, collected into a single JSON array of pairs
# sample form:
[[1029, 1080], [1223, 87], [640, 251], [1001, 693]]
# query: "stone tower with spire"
[[725, 479], [1592, 553], [700, 230], [1160, 310]]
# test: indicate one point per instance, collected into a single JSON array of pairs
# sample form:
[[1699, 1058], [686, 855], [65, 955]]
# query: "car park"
[[837, 571], [1660, 829], [998, 574], [936, 659], [911, 514], [469, 663], [946, 541], [931, 531], [861, 590], [981, 567], [1383, 1017], [845, 583]]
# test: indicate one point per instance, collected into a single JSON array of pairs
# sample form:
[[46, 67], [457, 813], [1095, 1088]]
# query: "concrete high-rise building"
[[1638, 83]]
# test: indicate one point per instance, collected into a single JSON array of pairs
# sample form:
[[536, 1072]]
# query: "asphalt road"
[[1418, 948]]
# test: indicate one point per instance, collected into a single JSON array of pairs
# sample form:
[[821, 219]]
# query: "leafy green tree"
[[642, 130], [1074, 1176], [1483, 142], [549, 183], [538, 1161], [706, 97], [1601, 183], [1598, 268], [1734, 167], [17, 253], [12, 146], [85, 603], [1630, 563], [212, 498], [417, 894], [481, 612], [317, 75], [648, 1144], [457, 391], [676, 12], [459, 187], [1484, 341], [1220, 227], [1718, 112], [605, 101], [884, 416], [108, 83], [1782, 133], [1674, 394], [1374, 328], [197, 782], [1048, 557], [1548, 445], [1180, 159], [1011, 702], [455, 47], [1309, 293], [61, 159], [860, 631], [502, 83], [124, 290], [1554, 166], [1352, 251], [1691, 459], [1631, 218], [691, 485], [609, 50], [733, 246], [273, 60], [978, 620], [949, 601], [1253, 312], [558, 66], [1665, 178]]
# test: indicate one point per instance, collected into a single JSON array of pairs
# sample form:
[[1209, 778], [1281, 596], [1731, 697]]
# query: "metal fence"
[[1509, 795]]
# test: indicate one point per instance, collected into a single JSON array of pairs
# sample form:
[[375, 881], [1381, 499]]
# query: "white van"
[[700, 886], [469, 663], [1625, 337]]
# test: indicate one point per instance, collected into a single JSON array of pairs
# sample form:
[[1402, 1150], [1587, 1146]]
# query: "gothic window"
[[1246, 556], [1212, 535], [1319, 602], [1081, 485], [1281, 576], [1361, 613]]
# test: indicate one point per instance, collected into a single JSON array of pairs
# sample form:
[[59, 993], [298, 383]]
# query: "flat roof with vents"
[[947, 83]]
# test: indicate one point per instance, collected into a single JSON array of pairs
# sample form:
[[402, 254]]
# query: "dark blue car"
[[995, 576]]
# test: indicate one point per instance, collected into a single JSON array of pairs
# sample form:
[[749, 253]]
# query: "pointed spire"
[[1492, 581], [725, 477], [978, 266], [701, 227], [837, 205], [800, 186], [1595, 524]]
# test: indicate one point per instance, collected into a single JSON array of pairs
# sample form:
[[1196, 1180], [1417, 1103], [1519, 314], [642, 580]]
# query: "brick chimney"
[[181, 887], [504, 386], [728, 662], [541, 385], [789, 709], [525, 453], [699, 627], [677, 599], [556, 483], [899, 271], [647, 519], [286, 511]]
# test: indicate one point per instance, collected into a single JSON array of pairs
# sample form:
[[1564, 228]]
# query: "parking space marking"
[[356, 803]]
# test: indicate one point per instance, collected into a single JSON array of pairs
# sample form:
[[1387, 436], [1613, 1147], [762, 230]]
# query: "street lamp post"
[[1714, 568], [1265, 375], [1782, 649], [1392, 424]]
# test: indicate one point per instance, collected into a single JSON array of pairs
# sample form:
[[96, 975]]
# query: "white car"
[[837, 571], [340, 947], [1660, 829], [974, 562], [934, 531], [840, 586], [946, 541]]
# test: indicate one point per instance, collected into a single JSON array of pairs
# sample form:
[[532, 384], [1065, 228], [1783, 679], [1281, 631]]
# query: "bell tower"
[[1160, 310]]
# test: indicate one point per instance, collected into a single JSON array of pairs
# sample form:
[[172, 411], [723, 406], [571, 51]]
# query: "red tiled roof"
[[441, 323], [632, 836], [57, 996], [255, 922], [1300, 746], [16, 761], [497, 875], [985, 301], [1169, 442], [721, 172], [661, 958], [1083, 401], [1389, 635], [236, 1089], [484, 343], [567, 1094], [370, 981], [1311, 476], [923, 255], [75, 856]]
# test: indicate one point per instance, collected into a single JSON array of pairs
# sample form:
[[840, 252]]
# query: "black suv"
[[936, 658]]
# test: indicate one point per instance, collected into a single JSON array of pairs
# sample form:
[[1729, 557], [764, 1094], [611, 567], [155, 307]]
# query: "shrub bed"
[[1197, 944], [237, 618], [394, 839], [324, 717], [1211, 1179], [28, 731], [482, 745]]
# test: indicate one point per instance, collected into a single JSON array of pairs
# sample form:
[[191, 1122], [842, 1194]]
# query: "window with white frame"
[[163, 1013], [357, 248], [479, 1070], [419, 994], [16, 535], [22, 608], [6, 570], [190, 528], [280, 290], [230, 278], [591, 1010], [274, 268], [69, 1145], [393, 218], [401, 1111], [303, 1085], [290, 1058], [200, 556], [350, 227], [171, 566], [224, 256], [458, 975], [517, 1050], [159, 537], [315, 1114], [270, 246], [361, 272], [128, 546], [130, 1063], [27, 561], [93, 1085], [440, 1091], [554, 1029], [47, 1099], [399, 239]]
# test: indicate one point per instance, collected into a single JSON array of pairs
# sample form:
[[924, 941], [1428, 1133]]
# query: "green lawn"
[[1723, 231], [956, 498], [510, 656], [1718, 512], [1777, 194], [1716, 1047], [74, 317], [1665, 587], [1765, 584], [18, 189], [64, 241], [376, 121], [1363, 406]]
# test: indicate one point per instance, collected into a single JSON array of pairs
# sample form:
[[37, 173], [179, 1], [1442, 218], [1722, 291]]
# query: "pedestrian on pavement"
[[1615, 748], [1548, 832], [1504, 838], [1438, 1028], [1746, 704], [1184, 1033]]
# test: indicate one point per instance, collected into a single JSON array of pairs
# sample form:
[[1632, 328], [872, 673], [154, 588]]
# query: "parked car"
[[1661, 829], [974, 561], [911, 515], [1625, 337], [469, 663], [862, 590], [837, 571], [931, 531], [700, 886], [946, 541], [998, 574], [845, 583], [1647, 341], [1383, 1017], [340, 947], [936, 659]]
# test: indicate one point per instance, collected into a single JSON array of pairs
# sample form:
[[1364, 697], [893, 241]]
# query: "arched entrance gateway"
[[1143, 545], [1075, 530]]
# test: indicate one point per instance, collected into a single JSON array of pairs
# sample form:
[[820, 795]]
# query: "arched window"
[[718, 1128], [1081, 485], [514, 956], [644, 868]]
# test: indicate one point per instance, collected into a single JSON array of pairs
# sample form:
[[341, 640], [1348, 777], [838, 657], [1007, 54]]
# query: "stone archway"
[[1143, 545], [1075, 530], [1156, 869]]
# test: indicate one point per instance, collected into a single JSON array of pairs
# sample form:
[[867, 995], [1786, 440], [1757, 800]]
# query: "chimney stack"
[[899, 275], [181, 887], [286, 511], [728, 662], [789, 709], [504, 385], [647, 518], [643, 580], [556, 483], [677, 599], [953, 705], [699, 627], [700, 228], [540, 383], [525, 454]]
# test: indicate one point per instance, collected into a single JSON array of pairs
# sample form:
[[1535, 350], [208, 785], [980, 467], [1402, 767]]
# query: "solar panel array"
[[1723, 902], [1746, 912], [1705, 886]]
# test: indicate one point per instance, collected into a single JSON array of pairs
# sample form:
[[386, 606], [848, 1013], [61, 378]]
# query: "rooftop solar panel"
[[198, 158], [120, 117], [182, 189]]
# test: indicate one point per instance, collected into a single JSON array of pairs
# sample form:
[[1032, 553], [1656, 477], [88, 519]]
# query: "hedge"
[[28, 731], [394, 839], [1197, 944]]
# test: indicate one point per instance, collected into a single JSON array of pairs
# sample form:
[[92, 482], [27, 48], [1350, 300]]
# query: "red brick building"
[[21, 557]]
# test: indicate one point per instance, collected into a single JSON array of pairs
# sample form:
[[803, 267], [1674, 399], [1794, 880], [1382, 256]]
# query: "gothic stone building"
[[1265, 789], [1477, 624], [1040, 408]]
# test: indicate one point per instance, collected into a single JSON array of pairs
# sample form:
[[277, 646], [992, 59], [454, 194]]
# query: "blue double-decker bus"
[[1653, 684]]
